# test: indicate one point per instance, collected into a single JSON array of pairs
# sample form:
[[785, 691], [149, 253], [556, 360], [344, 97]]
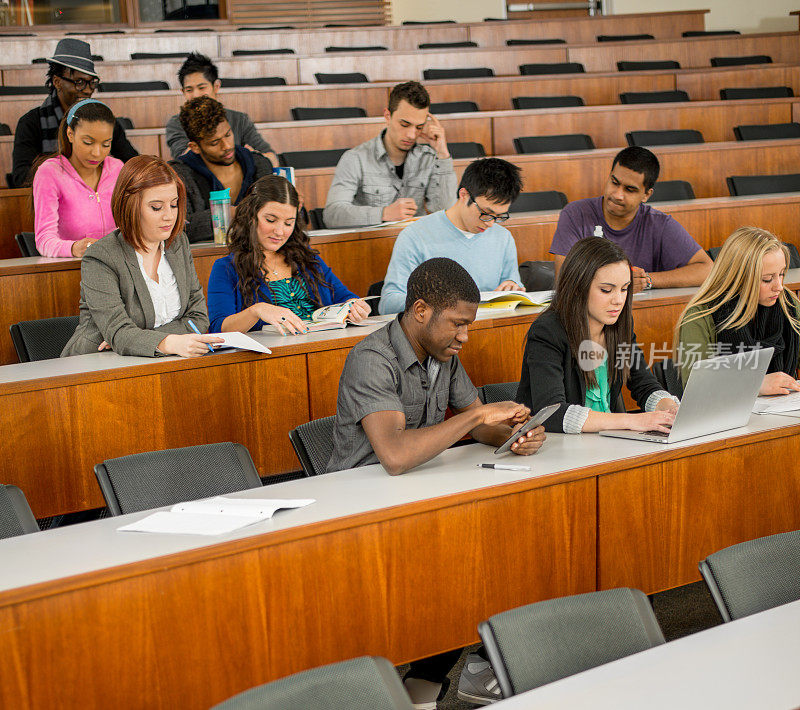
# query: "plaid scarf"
[[50, 115]]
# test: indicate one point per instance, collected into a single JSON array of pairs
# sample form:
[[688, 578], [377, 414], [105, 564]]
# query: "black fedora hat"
[[75, 54]]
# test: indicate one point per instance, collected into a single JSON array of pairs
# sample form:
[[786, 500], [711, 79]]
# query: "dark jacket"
[[28, 146], [200, 182], [550, 373]]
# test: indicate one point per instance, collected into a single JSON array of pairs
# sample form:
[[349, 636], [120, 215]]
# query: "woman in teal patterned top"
[[272, 275]]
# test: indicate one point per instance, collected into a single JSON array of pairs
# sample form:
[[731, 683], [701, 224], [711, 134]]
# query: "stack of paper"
[[212, 516], [777, 404]]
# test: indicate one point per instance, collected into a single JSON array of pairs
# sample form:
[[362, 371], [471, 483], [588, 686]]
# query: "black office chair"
[[372, 48], [532, 102], [366, 683], [107, 86], [125, 122], [232, 82], [453, 107], [653, 97], [315, 218], [668, 376], [5, 129], [42, 339], [524, 42], [462, 73], [257, 52], [763, 184], [301, 159], [553, 144], [267, 29], [158, 478], [756, 92], [709, 33], [26, 241], [544, 642], [551, 68], [347, 78], [671, 191], [313, 444], [16, 517], [446, 45], [538, 201], [739, 61], [326, 113], [768, 131], [466, 150], [538, 275], [429, 22], [187, 29], [158, 55], [22, 90], [374, 305], [755, 575], [499, 392], [623, 38], [676, 137], [647, 66]]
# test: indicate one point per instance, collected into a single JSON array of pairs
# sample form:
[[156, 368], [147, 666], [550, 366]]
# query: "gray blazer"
[[116, 305]]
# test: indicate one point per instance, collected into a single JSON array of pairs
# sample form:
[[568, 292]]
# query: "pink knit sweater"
[[66, 209]]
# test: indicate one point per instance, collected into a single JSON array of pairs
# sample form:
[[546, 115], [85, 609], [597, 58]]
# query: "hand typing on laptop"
[[778, 383]]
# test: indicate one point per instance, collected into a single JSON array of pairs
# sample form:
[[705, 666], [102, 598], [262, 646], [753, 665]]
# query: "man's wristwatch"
[[648, 282]]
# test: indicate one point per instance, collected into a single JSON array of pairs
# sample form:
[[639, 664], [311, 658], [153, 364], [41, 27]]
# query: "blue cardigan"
[[225, 298]]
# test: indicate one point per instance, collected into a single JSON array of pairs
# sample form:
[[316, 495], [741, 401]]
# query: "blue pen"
[[194, 328]]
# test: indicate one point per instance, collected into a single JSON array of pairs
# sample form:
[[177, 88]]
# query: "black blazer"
[[550, 373]]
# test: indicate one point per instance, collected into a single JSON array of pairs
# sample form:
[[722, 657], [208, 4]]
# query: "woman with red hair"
[[139, 290]]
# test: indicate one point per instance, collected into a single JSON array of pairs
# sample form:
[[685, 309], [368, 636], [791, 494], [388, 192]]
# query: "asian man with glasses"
[[470, 232]]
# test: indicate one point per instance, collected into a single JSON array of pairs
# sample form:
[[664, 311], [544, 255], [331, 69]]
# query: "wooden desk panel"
[[16, 215], [706, 85]]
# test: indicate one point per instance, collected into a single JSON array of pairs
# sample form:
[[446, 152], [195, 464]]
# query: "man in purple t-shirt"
[[662, 253]]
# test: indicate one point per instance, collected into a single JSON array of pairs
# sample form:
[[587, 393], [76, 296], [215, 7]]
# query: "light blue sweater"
[[489, 257]]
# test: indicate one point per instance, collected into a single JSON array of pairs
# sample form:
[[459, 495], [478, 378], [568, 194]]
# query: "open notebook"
[[509, 300], [212, 516]]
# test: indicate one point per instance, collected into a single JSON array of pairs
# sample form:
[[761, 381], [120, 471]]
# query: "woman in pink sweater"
[[72, 190]]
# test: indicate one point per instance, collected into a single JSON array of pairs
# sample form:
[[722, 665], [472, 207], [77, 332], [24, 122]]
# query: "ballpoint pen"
[[194, 328], [504, 467]]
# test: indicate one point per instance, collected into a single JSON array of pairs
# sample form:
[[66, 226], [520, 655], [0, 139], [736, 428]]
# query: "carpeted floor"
[[680, 612]]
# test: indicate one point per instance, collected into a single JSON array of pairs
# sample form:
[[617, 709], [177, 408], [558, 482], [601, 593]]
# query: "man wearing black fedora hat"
[[70, 77]]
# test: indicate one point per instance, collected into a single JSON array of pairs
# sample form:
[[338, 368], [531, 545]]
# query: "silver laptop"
[[719, 395]]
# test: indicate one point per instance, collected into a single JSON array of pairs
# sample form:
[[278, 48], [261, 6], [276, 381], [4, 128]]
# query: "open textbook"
[[212, 516], [330, 317], [509, 300]]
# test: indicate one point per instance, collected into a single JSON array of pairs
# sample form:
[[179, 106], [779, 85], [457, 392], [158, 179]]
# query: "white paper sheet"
[[241, 341]]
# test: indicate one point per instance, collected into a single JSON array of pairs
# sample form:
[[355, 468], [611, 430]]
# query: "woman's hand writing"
[[188, 345]]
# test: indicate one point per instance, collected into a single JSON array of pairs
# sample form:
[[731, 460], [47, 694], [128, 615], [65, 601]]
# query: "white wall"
[[742, 15], [458, 10]]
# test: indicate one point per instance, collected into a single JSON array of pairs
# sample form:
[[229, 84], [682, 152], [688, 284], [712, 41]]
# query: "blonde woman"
[[743, 305]]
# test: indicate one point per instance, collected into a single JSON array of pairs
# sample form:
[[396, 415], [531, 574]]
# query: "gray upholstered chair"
[[158, 478], [366, 683], [499, 392], [42, 339], [755, 575], [16, 517], [313, 444], [541, 643]]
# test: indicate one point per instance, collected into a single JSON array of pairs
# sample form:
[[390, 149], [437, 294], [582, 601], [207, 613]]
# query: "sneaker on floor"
[[478, 683]]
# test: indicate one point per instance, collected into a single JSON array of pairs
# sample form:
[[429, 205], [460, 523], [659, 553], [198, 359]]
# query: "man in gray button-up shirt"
[[394, 175]]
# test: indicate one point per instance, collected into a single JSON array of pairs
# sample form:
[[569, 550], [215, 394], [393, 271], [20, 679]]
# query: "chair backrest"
[[157, 478], [652, 97], [541, 643], [26, 241], [298, 159], [346, 78], [466, 150], [22, 90], [763, 184], [524, 42], [429, 22], [709, 33], [133, 86], [375, 290], [755, 575], [125, 122], [453, 107], [676, 137], [366, 683], [499, 392], [738, 61], [756, 92], [5, 129], [553, 144], [668, 376], [446, 45], [552, 68], [313, 444], [159, 55], [538, 201], [369, 48], [42, 339], [623, 38], [461, 73], [671, 190], [315, 218], [256, 52], [269, 28], [16, 517], [767, 131], [538, 275], [645, 66], [324, 113], [524, 102], [231, 82]]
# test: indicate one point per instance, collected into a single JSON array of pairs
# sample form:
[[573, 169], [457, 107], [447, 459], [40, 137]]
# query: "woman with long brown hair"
[[271, 274], [582, 349]]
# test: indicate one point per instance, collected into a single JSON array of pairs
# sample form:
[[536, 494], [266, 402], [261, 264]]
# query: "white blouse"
[[164, 293]]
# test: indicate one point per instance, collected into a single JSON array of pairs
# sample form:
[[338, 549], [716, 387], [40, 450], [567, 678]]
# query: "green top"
[[697, 341], [598, 398], [291, 293]]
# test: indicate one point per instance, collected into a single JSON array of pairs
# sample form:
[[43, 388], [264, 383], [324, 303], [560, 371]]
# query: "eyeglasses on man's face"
[[488, 216], [81, 84]]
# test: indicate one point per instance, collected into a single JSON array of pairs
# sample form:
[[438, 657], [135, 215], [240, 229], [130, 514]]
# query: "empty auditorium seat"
[[461, 73], [538, 201], [645, 66], [763, 184], [5, 129], [671, 191], [299, 159], [757, 92], [553, 144], [454, 107], [446, 45], [324, 113], [125, 122], [348, 78], [523, 42], [622, 38], [232, 82], [652, 97], [674, 137], [269, 29], [709, 33], [23, 90], [524, 102], [429, 22], [373, 48], [256, 52], [466, 150], [554, 68], [133, 86], [768, 131], [159, 55], [738, 61]]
